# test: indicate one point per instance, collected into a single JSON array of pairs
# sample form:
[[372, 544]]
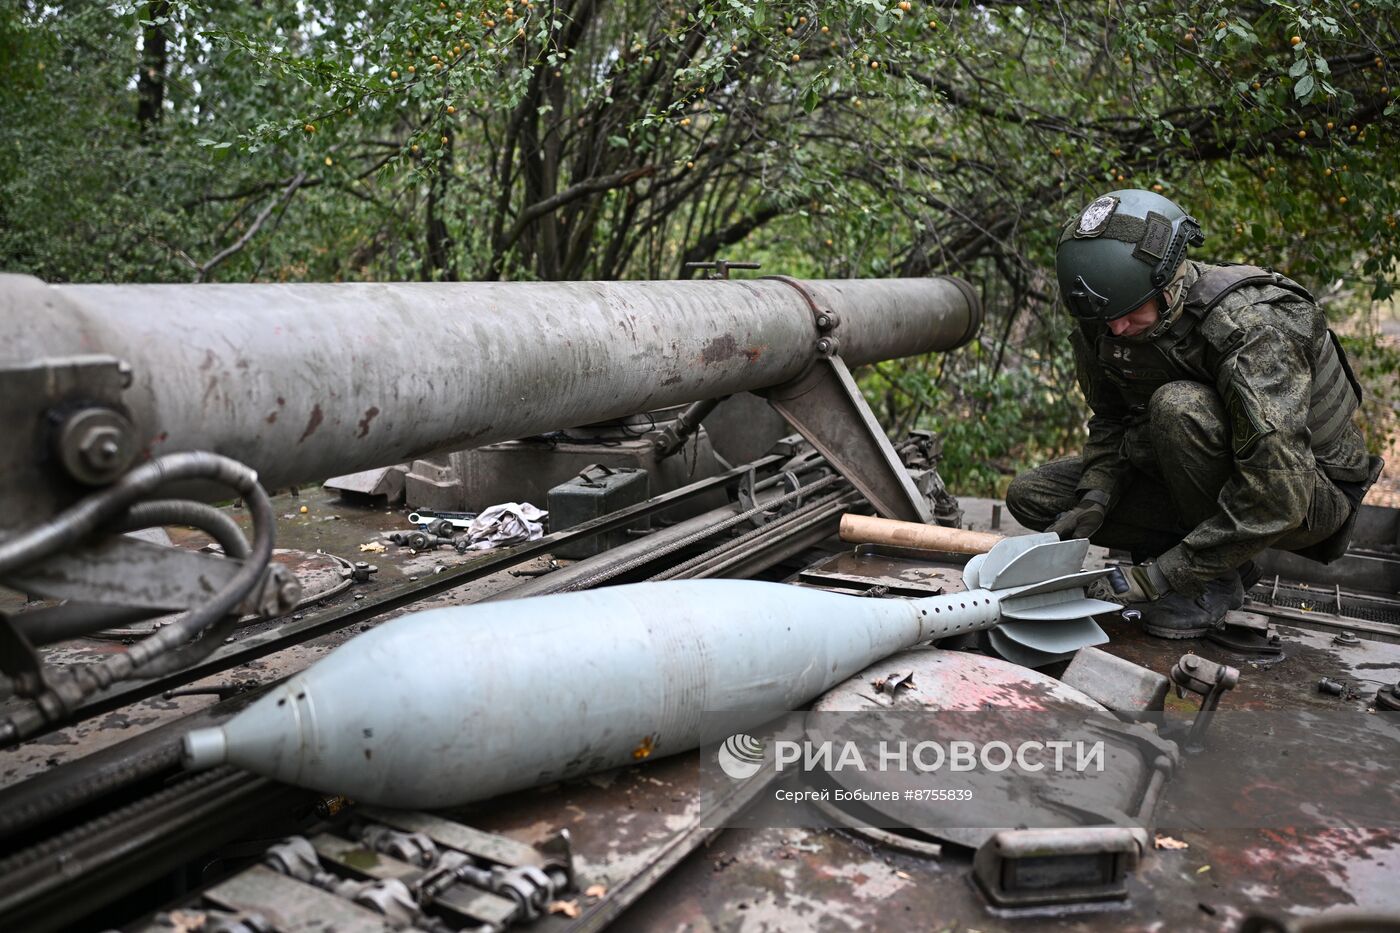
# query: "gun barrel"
[[305, 381]]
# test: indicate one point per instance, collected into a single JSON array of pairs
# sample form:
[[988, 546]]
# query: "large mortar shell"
[[303, 382], [454, 705]]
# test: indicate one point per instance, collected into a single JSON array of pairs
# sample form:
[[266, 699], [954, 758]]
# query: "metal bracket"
[[922, 459], [1246, 633], [826, 407], [673, 437], [60, 416], [748, 498], [1207, 679], [1020, 868], [720, 267]]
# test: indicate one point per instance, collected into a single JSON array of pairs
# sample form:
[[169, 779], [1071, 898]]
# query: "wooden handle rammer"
[[866, 529]]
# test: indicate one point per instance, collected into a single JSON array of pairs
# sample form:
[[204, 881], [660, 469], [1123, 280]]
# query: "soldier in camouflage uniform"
[[1221, 416]]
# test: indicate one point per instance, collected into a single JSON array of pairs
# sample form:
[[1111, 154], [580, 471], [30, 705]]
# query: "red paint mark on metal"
[[312, 423], [1316, 869], [370, 414], [719, 349]]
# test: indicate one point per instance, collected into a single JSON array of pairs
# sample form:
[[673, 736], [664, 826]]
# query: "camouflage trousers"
[[1179, 461]]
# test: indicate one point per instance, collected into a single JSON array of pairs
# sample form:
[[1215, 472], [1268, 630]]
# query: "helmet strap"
[[1171, 300]]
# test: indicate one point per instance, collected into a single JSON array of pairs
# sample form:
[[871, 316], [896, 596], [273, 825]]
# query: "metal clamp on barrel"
[[826, 320]]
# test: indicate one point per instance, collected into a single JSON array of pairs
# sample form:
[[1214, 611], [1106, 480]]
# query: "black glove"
[[1140, 583], [1084, 519]]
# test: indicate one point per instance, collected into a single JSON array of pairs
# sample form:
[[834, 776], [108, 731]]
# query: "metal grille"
[[1282, 594]]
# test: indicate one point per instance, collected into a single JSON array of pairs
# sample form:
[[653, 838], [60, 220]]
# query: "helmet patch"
[[1156, 239], [1095, 218]]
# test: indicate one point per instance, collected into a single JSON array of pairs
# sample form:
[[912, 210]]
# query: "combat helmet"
[[1120, 251]]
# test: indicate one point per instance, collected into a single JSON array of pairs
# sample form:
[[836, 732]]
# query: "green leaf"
[[1299, 67], [1304, 87]]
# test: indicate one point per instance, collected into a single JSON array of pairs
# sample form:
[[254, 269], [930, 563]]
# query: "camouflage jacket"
[[1267, 352]]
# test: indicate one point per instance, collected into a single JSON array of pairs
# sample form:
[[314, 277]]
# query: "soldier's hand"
[[1081, 521], [1140, 583]]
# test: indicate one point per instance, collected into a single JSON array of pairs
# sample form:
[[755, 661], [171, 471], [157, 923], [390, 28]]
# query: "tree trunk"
[[150, 83]]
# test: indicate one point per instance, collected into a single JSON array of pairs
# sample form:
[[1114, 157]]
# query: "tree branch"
[[202, 274]]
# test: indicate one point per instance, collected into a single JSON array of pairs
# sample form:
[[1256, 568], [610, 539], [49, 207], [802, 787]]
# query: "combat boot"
[[1179, 616]]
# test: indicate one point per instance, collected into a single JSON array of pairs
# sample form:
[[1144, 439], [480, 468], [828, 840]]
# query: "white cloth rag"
[[506, 524]]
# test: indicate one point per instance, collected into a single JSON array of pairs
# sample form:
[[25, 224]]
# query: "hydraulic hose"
[[74, 619], [72, 685], [81, 520], [206, 518]]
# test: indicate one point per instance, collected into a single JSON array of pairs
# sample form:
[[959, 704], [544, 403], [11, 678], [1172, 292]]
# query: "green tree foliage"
[[345, 139]]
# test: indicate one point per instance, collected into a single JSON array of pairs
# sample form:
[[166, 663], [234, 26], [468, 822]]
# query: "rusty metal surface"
[[899, 576], [785, 879], [952, 681], [793, 879], [629, 827], [938, 681], [127, 572]]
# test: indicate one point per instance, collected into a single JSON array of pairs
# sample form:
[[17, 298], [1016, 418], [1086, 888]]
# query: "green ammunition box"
[[596, 491]]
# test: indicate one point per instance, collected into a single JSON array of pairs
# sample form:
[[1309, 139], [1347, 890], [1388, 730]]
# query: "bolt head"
[[95, 445], [100, 447]]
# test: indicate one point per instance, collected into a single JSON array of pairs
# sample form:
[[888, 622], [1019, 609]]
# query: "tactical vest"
[[1139, 368]]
